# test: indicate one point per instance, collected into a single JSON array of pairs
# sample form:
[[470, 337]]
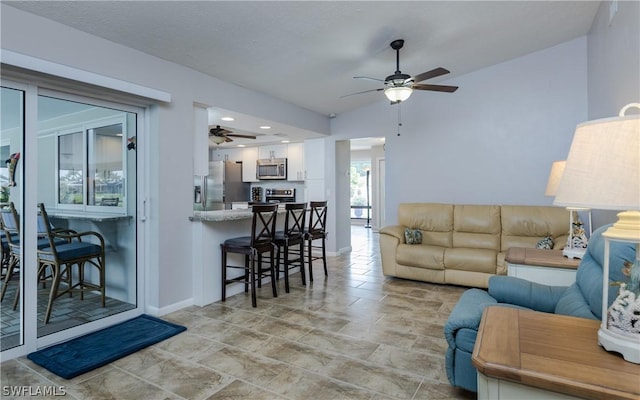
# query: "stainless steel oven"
[[280, 195], [271, 168]]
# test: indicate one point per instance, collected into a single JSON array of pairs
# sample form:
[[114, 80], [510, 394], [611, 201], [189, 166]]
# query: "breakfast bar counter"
[[221, 215], [209, 230]]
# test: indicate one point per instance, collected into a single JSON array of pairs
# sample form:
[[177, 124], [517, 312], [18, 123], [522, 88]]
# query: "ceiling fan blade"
[[430, 74], [227, 139], [364, 91], [241, 136], [369, 78], [435, 88]]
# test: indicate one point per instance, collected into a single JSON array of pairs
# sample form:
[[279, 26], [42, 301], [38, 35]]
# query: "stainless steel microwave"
[[271, 168]]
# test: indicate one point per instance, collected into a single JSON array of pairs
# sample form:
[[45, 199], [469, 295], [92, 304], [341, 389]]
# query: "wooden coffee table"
[[522, 354]]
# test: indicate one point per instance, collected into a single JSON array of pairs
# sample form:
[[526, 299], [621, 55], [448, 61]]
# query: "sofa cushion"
[[421, 256], [524, 226], [412, 236], [545, 243], [435, 220], [466, 259], [476, 226]]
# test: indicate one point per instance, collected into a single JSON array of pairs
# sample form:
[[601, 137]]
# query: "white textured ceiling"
[[307, 52]]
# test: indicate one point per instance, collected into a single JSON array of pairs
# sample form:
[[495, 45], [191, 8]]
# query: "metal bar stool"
[[289, 239], [261, 241], [316, 231]]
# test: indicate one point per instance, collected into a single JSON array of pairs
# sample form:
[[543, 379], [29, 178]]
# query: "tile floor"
[[352, 335]]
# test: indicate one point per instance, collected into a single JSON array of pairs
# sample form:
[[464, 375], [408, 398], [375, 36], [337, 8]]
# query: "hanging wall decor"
[[131, 143], [12, 163]]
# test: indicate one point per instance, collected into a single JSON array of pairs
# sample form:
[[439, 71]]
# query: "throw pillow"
[[412, 236], [545, 243]]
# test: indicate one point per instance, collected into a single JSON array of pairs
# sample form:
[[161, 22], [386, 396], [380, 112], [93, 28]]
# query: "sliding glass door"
[[12, 183], [81, 160]]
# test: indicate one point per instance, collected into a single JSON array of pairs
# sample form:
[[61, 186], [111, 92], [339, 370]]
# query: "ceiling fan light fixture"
[[217, 139], [398, 93]]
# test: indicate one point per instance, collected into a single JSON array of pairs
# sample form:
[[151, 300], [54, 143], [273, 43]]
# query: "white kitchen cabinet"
[[225, 154], [249, 157], [295, 162], [273, 151]]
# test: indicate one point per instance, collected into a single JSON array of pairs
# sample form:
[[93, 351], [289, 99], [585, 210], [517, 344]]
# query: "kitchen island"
[[209, 230]]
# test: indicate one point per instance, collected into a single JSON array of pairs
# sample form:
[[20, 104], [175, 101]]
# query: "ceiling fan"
[[398, 87], [219, 135]]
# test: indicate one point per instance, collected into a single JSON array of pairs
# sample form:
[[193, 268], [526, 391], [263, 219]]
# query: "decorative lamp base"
[[627, 346], [573, 252]]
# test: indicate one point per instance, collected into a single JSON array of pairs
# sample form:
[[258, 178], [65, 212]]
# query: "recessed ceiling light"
[[228, 119], [265, 127], [242, 145], [285, 141]]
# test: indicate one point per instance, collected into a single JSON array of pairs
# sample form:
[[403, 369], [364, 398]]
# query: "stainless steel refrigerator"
[[221, 187]]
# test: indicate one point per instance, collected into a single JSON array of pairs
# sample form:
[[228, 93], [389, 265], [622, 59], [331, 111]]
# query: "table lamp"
[[603, 172], [577, 239]]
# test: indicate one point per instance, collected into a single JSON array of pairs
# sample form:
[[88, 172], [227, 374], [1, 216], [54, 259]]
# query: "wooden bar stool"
[[316, 231], [291, 237], [261, 241]]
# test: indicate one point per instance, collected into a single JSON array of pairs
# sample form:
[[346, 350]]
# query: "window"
[[70, 168], [360, 188], [103, 182], [106, 167]]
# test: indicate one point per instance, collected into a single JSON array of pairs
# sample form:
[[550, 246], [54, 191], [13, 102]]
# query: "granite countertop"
[[224, 215]]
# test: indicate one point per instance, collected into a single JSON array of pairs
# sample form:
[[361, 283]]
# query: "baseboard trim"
[[158, 312]]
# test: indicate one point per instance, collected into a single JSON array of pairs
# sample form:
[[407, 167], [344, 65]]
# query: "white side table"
[[548, 267]]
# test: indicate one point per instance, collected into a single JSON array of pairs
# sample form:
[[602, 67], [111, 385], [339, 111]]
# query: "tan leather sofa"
[[465, 244]]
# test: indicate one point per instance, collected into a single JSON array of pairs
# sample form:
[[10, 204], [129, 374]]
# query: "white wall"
[[377, 195], [342, 231], [170, 139], [613, 68], [491, 142], [614, 59]]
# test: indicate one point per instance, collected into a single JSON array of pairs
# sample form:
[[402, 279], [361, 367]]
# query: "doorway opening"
[[365, 174]]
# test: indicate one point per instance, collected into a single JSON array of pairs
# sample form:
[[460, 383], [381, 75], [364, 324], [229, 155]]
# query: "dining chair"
[[261, 240], [82, 249], [316, 231], [5, 253], [9, 220], [287, 240], [11, 238]]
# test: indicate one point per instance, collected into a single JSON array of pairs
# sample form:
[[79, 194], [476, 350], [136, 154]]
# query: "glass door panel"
[[11, 192], [87, 183]]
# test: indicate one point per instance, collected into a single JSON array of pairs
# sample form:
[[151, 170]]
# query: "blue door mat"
[[88, 352]]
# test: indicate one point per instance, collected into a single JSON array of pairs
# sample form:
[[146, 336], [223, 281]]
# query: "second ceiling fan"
[[220, 135], [398, 86]]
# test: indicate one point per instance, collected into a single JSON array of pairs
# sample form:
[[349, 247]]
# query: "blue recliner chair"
[[582, 299]]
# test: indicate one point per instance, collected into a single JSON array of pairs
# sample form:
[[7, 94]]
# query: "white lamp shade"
[[603, 167], [557, 168], [398, 93]]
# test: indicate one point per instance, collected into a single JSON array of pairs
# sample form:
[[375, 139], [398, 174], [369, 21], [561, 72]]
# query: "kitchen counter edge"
[[223, 215]]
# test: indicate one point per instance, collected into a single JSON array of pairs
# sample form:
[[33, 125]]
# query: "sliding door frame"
[[29, 197]]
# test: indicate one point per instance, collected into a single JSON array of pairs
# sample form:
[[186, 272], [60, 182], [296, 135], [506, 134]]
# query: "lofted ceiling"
[[307, 52]]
